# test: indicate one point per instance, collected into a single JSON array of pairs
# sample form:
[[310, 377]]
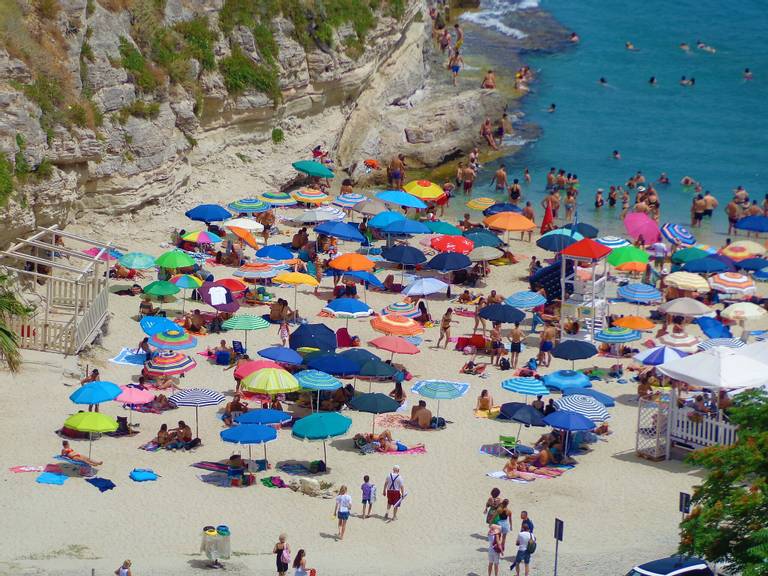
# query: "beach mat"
[[51, 478], [150, 446], [294, 469], [129, 357], [417, 449], [491, 414], [103, 484], [211, 466], [500, 475], [20, 469]]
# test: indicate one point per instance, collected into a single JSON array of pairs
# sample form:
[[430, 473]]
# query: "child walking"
[[368, 490]]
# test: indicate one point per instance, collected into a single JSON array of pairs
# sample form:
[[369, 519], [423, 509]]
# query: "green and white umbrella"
[[440, 390], [245, 322]]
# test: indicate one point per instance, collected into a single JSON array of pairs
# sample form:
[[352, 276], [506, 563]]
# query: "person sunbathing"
[[472, 368], [164, 382], [421, 416], [68, 452], [541, 459], [484, 401], [511, 471], [161, 403], [146, 308], [194, 322], [233, 409], [523, 466], [466, 297]]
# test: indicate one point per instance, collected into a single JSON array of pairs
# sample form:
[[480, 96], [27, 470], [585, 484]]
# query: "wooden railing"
[[35, 334], [700, 430], [91, 320]]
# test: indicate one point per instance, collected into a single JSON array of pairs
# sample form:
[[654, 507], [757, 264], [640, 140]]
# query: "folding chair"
[[508, 444], [237, 346], [536, 320]]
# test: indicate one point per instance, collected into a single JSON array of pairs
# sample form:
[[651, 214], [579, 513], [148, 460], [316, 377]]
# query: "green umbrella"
[[443, 228], [137, 261], [688, 255], [245, 322], [626, 254], [312, 168], [174, 259], [161, 288], [321, 426], [91, 422]]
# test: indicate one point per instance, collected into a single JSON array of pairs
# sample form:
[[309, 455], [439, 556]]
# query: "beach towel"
[[51, 478], [415, 340], [464, 312], [294, 469], [214, 478], [489, 414], [129, 357], [417, 449], [19, 469], [211, 466], [150, 446], [500, 475], [101, 483], [273, 482], [70, 461]]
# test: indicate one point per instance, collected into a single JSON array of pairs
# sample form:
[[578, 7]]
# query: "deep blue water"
[[715, 132]]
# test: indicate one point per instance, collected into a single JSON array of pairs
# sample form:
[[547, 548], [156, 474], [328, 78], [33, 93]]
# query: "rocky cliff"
[[107, 105]]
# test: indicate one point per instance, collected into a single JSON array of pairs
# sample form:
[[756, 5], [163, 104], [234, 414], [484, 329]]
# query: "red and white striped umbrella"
[[732, 283]]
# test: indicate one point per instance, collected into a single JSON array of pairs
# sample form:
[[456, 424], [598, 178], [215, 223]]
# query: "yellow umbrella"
[[91, 422], [295, 279], [742, 249], [424, 189], [480, 203], [687, 281], [270, 381]]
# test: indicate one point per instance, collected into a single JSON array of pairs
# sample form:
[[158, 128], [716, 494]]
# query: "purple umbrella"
[[220, 297]]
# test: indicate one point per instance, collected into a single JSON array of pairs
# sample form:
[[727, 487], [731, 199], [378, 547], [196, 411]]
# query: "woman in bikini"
[[510, 469], [445, 328], [481, 303], [68, 452]]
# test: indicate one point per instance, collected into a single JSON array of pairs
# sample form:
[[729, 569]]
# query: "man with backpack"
[[526, 546]]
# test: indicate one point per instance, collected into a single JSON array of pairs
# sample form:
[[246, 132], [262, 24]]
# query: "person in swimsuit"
[[496, 344], [445, 328], [599, 202], [124, 570], [531, 215], [468, 176], [546, 343], [484, 401], [394, 488], [500, 178], [282, 552], [455, 62], [486, 131], [489, 81], [68, 452], [481, 303], [515, 191], [459, 36], [516, 344], [397, 171]]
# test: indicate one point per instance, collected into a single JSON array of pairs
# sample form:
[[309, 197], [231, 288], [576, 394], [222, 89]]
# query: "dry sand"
[[618, 509]]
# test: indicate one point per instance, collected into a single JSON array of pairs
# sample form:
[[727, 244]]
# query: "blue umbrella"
[[525, 300], [317, 380], [570, 421], [502, 313], [753, 264], [659, 355], [264, 416], [448, 262], [604, 399], [616, 335], [333, 363], [753, 224], [95, 392], [481, 237], [282, 355], [340, 230], [377, 369], [557, 242], [384, 219], [440, 390], [348, 308], [563, 379], [250, 434], [274, 252], [359, 355], [713, 328], [405, 255], [406, 227], [678, 232], [708, 265], [762, 274], [586, 230], [208, 213], [526, 385], [400, 197], [152, 325], [501, 207], [313, 336], [640, 293], [366, 277]]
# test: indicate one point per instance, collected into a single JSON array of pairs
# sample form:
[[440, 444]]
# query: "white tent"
[[720, 367]]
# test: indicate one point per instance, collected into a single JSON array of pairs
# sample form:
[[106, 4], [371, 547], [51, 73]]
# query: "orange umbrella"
[[634, 323], [352, 262], [397, 325], [509, 221], [245, 236], [632, 266]]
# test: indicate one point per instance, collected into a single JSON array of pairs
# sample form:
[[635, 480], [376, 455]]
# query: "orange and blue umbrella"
[[407, 309]]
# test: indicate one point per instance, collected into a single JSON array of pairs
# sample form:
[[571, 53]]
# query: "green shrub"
[[6, 179], [77, 115], [86, 52], [47, 93], [265, 42], [241, 73], [44, 170], [199, 39], [324, 33], [190, 140], [278, 136], [21, 166], [296, 12], [246, 13], [90, 8], [133, 61], [139, 109]]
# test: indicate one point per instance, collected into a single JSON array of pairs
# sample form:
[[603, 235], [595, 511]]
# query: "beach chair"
[[536, 320], [237, 346], [508, 444]]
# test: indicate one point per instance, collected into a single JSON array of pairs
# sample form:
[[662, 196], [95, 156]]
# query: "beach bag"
[[285, 557], [531, 547], [504, 364], [532, 364]]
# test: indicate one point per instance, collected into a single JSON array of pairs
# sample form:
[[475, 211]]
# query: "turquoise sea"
[[715, 131]]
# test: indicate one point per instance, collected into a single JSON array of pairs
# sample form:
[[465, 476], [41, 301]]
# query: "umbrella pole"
[[325, 454], [265, 453], [90, 443], [373, 423], [317, 406], [437, 418], [197, 424]]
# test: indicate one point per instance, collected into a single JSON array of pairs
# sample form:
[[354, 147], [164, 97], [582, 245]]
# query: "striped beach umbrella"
[[732, 283], [310, 196], [348, 200], [270, 381], [677, 232], [277, 198], [197, 397], [584, 405], [249, 206], [256, 270], [480, 203], [246, 323], [612, 241], [440, 390], [407, 309], [526, 385], [687, 281], [169, 363], [617, 335], [317, 380], [681, 341], [186, 281], [724, 342], [525, 300], [174, 339], [640, 293], [659, 355], [397, 325]]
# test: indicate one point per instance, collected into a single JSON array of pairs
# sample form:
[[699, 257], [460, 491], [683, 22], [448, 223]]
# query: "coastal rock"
[[13, 68], [77, 146]]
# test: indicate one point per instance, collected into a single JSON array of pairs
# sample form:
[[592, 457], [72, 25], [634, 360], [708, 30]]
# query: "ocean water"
[[715, 131]]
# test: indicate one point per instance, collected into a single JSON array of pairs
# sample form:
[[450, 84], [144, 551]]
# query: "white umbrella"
[[685, 307], [244, 223], [743, 311], [718, 368], [681, 341]]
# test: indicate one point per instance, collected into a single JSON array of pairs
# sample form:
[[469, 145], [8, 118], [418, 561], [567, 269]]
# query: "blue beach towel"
[[51, 478], [129, 357], [101, 483], [142, 475]]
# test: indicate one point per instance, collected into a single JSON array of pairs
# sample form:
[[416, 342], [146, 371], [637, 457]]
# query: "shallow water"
[[714, 131]]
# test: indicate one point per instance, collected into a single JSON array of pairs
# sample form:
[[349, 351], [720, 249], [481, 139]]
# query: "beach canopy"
[[174, 259], [501, 313], [680, 341], [352, 262], [208, 213], [249, 206], [425, 287], [406, 227], [173, 339], [91, 422], [340, 230], [584, 405], [161, 288], [574, 350], [136, 261], [169, 363], [449, 262], [525, 385], [385, 218], [151, 325], [638, 224], [743, 311], [563, 379], [317, 336], [604, 399], [401, 198], [321, 426], [685, 307], [405, 255], [678, 233], [333, 363], [348, 308], [95, 392], [509, 221], [617, 335], [270, 381], [570, 421], [481, 237], [640, 293], [317, 380], [687, 281], [718, 368], [394, 344], [264, 416], [313, 168]]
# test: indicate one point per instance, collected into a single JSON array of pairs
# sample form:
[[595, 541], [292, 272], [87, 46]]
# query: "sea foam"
[[494, 11]]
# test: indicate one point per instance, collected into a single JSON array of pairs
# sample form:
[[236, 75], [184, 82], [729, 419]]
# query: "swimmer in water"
[[663, 178], [705, 47], [551, 108], [685, 47], [629, 46], [603, 81], [652, 81], [616, 155], [574, 38], [599, 202], [747, 74], [687, 81]]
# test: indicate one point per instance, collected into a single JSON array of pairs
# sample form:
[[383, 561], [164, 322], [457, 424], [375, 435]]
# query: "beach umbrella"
[[270, 381], [232, 284], [348, 200], [634, 323], [752, 264], [732, 283], [685, 307], [374, 403], [639, 293], [208, 213], [405, 255], [316, 215], [95, 392], [681, 341], [352, 262], [440, 227], [313, 168], [153, 324], [274, 252], [749, 246], [264, 416], [281, 354], [321, 426], [659, 355], [407, 309], [604, 399], [584, 405], [348, 308], [509, 222], [394, 324], [250, 434], [359, 355], [370, 207], [638, 224], [678, 233], [626, 254], [526, 385], [523, 414], [197, 397], [173, 339], [169, 363], [333, 363], [586, 230], [440, 390], [719, 368], [246, 323], [481, 237], [135, 397], [365, 277], [480, 203], [424, 189], [708, 265], [557, 240], [425, 287], [340, 230], [249, 206], [161, 288], [377, 369], [296, 279], [136, 261], [406, 227], [687, 281], [743, 311], [201, 237], [92, 423], [106, 255], [244, 224], [449, 262], [500, 207], [574, 350], [395, 345], [401, 198], [385, 218], [185, 281], [724, 342], [737, 252], [485, 254], [502, 313], [757, 224], [317, 380], [310, 196], [218, 297], [563, 379], [317, 336], [256, 270], [458, 244], [243, 369], [277, 199], [174, 259], [688, 255], [617, 335], [525, 300], [570, 421], [613, 242]]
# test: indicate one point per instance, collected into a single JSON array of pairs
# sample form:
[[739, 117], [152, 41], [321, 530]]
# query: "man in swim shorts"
[[711, 203], [397, 171], [394, 488], [468, 175], [546, 343]]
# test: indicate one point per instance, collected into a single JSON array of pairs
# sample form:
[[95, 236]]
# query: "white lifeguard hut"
[[583, 282]]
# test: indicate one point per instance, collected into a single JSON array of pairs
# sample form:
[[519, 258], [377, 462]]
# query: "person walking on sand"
[[495, 549], [394, 488], [445, 328], [300, 564], [455, 63], [342, 509], [282, 552], [369, 495], [124, 570], [526, 545], [531, 215]]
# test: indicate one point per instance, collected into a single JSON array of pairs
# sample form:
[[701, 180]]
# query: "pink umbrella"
[[95, 252], [131, 395], [639, 224], [251, 366]]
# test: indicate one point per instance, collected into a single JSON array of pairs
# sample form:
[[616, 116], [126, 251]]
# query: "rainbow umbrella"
[[249, 206], [407, 309], [310, 196], [173, 340], [270, 381], [201, 237], [185, 282], [348, 200], [277, 199], [169, 363]]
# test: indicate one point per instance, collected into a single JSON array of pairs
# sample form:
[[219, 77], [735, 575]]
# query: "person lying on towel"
[[68, 452]]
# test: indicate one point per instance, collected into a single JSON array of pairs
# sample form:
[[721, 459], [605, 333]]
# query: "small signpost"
[[685, 504], [558, 539]]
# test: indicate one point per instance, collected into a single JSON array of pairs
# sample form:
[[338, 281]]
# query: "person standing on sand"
[[531, 215], [300, 564], [516, 344], [495, 549], [500, 178], [342, 510], [394, 488], [124, 570], [546, 343], [397, 171], [282, 552], [526, 545]]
